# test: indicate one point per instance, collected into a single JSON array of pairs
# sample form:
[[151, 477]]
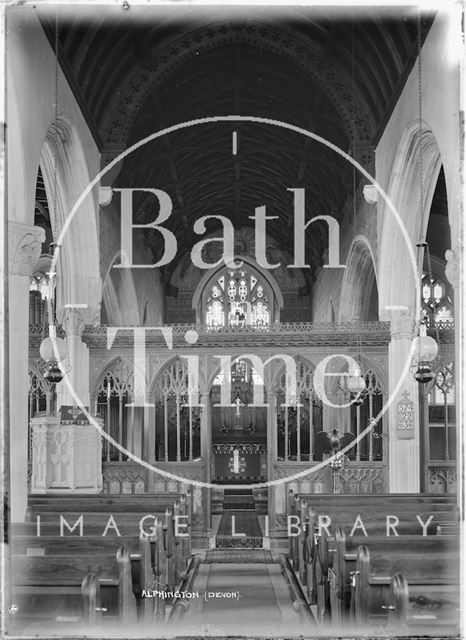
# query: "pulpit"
[[66, 453]]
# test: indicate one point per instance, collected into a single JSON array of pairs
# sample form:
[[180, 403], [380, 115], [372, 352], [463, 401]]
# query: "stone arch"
[[65, 172], [395, 265], [119, 296], [359, 291]]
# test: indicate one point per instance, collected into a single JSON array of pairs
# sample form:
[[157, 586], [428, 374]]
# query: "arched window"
[[298, 425], [115, 391], [238, 297], [369, 448], [437, 301], [442, 418], [177, 426]]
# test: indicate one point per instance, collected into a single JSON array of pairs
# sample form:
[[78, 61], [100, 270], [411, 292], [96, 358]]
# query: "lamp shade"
[[425, 349], [47, 351], [356, 383]]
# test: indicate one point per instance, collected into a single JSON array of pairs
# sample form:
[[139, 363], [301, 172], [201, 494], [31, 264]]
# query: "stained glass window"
[[237, 298], [437, 302]]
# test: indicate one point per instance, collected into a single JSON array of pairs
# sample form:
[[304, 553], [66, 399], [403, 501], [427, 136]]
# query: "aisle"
[[261, 604], [239, 527]]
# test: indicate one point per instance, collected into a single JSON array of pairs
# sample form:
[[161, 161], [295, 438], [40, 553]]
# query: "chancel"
[[234, 320]]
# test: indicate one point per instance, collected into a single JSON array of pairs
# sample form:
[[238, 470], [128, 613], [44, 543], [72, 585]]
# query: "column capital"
[[402, 324], [24, 247], [74, 320]]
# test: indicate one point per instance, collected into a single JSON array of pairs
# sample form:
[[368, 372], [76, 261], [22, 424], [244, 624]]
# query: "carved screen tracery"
[[298, 425], [114, 393], [442, 417], [39, 399], [370, 447], [177, 426]]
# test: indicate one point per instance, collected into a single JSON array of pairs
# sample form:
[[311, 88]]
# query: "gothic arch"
[[158, 372], [359, 289], [66, 175], [395, 266], [119, 296], [104, 369]]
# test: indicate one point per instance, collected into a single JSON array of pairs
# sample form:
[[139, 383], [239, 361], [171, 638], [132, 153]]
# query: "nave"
[[82, 565]]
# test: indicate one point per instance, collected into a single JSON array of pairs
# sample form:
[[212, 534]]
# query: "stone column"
[[403, 412], [206, 452], [453, 274], [271, 450], [24, 247], [77, 364]]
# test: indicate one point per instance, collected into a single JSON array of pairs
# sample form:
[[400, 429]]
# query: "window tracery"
[[437, 303], [237, 297], [369, 405]]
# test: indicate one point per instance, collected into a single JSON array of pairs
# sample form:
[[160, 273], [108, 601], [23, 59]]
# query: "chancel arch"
[[408, 194]]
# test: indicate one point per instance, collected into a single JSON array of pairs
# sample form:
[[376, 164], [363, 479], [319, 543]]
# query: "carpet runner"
[[239, 504], [238, 556], [238, 499]]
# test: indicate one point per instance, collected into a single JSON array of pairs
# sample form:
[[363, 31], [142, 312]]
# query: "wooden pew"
[[342, 562], [418, 609], [344, 510], [160, 565], [433, 573], [48, 570]]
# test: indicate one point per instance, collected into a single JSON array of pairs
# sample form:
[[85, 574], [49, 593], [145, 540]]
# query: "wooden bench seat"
[[63, 570], [143, 503], [342, 556], [437, 572], [419, 608]]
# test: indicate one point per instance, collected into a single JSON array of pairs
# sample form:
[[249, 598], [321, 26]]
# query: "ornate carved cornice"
[[281, 334], [242, 448], [24, 247]]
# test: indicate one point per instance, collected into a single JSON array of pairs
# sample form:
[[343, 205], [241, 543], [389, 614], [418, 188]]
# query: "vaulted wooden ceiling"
[[335, 72]]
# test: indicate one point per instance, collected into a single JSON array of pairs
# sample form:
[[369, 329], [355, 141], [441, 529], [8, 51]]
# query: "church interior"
[[234, 332]]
